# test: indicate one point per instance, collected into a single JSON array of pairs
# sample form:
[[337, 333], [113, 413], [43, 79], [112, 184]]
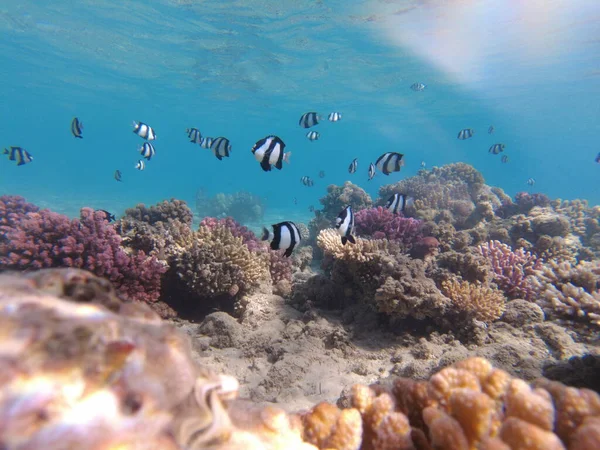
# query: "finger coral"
[[218, 263], [380, 223], [364, 250], [478, 301], [513, 270]]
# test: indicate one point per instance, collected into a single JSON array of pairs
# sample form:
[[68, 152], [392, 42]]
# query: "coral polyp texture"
[[79, 370], [33, 239]]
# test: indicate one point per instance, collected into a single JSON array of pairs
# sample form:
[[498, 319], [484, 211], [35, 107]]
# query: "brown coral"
[[364, 250], [477, 300], [219, 263]]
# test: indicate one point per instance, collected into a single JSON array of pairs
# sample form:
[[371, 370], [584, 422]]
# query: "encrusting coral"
[[80, 371]]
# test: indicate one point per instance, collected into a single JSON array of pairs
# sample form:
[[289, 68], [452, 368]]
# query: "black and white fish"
[[307, 181], [531, 181], [353, 166], [194, 135], [309, 119], [313, 135], [285, 236], [345, 225], [140, 165], [206, 142], [76, 128], [110, 217], [491, 129], [118, 175], [147, 150], [465, 134], [418, 87], [504, 158], [321, 174], [221, 147], [269, 151], [397, 203], [390, 162], [334, 116], [18, 154], [144, 131], [496, 148], [371, 171], [423, 164], [597, 159]]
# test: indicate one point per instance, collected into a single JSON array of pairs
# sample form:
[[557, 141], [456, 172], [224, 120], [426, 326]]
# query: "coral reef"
[[479, 301], [162, 212], [218, 263], [243, 206], [35, 239], [82, 373], [380, 223], [454, 193], [572, 291], [513, 270]]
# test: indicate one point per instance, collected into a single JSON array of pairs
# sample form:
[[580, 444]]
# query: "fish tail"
[[265, 234], [5, 152], [286, 157]]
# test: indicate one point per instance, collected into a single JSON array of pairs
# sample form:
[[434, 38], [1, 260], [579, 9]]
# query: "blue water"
[[246, 69]]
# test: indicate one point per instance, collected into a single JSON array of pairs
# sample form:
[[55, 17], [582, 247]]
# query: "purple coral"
[[34, 239], [511, 268], [380, 223]]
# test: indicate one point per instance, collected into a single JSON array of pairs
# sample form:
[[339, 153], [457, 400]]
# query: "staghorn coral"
[[42, 239], [218, 263], [513, 270], [161, 212], [476, 300], [380, 223]]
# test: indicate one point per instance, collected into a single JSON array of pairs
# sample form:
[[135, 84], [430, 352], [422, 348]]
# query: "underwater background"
[[246, 69]]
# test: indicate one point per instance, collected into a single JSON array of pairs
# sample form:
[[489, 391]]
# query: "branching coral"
[[380, 223], [42, 239], [364, 250], [168, 209], [477, 300], [571, 291], [219, 263], [513, 269]]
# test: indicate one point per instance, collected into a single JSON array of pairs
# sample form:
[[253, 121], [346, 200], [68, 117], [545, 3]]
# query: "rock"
[[224, 330], [546, 221], [521, 312]]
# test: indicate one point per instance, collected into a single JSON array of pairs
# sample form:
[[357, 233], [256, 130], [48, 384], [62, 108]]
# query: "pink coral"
[[512, 269], [380, 223], [35, 239]]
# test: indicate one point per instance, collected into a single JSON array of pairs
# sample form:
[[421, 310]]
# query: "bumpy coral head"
[[426, 248]]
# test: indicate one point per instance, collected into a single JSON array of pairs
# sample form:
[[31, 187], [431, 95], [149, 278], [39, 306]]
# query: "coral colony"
[[87, 309]]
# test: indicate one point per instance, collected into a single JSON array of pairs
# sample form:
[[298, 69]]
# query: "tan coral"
[[364, 250], [326, 426], [482, 302]]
